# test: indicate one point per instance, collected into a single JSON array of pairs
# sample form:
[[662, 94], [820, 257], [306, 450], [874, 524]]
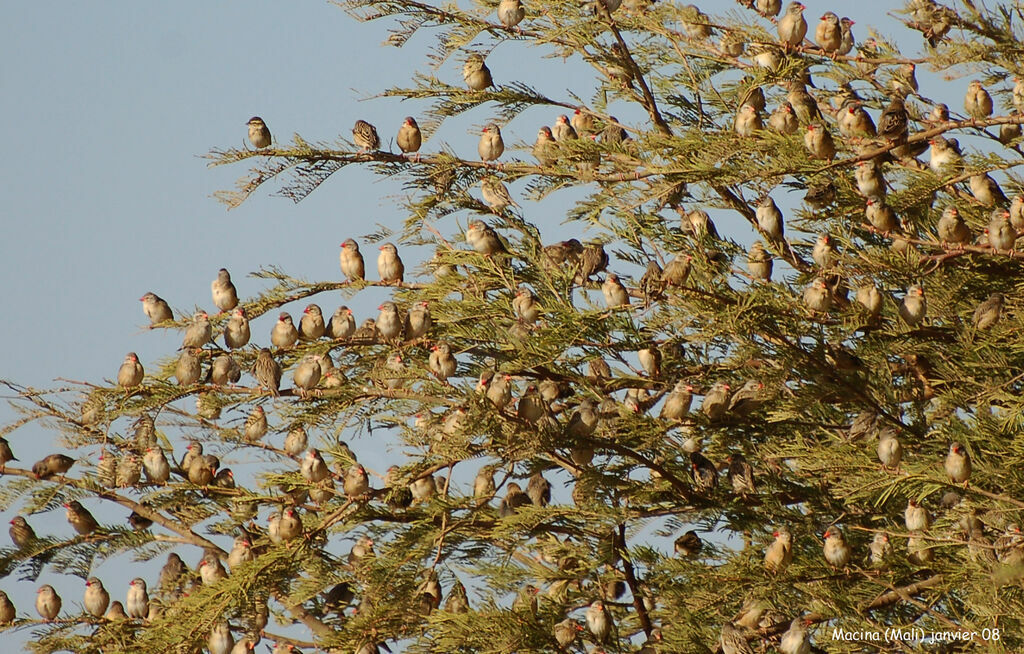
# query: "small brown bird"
[[6, 454], [1001, 234], [511, 12], [904, 80], [259, 134], [389, 265], [544, 148], [583, 122], [977, 102], [364, 135], [759, 262], [916, 516], [819, 142], [824, 253], [593, 260], [796, 640], [988, 312], [892, 124], [837, 551], [211, 570], [538, 489], [47, 602], [225, 296], [958, 464], [563, 130], [847, 40], [780, 552], [267, 371], [199, 331], [870, 182], [129, 471], [889, 449], [783, 120], [22, 534], [792, 27], [818, 297], [311, 325], [491, 145], [136, 602], [880, 215], [951, 228], [158, 469], [284, 334], [441, 361], [870, 298], [513, 500], [769, 218], [768, 8], [484, 239], [732, 639], [854, 121], [986, 191], [236, 331], [130, 374], [296, 441], [716, 401], [290, 525], [156, 308], [409, 138], [189, 368], [689, 544], [351, 260], [677, 403], [220, 640], [829, 34], [203, 469], [495, 194], [307, 374], [705, 474], [313, 467], [96, 598], [7, 610], [225, 370], [914, 306], [341, 324], [599, 621], [475, 73], [748, 121], [53, 464], [615, 294], [945, 155], [525, 305], [356, 483], [79, 517]]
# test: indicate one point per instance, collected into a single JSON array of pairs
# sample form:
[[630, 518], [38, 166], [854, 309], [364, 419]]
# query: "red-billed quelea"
[[491, 145], [484, 239], [818, 297], [495, 194], [599, 621], [847, 40], [538, 489], [716, 401], [768, 8], [129, 471], [977, 102], [236, 331], [96, 598], [418, 320], [650, 360], [441, 361], [259, 133], [769, 218], [513, 500], [290, 525], [475, 73], [409, 138], [130, 374], [525, 305], [945, 156], [958, 464], [356, 483], [733, 640], [988, 312], [677, 403], [868, 176], [158, 469], [267, 371], [889, 449], [6, 454], [759, 262], [819, 142], [892, 125], [563, 129], [284, 334], [295, 441], [880, 215], [220, 640], [389, 265], [1001, 234], [783, 120], [853, 121], [985, 190], [747, 399], [199, 331], [136, 601], [829, 34], [189, 368], [225, 297], [52, 464], [342, 324], [390, 324], [544, 148], [836, 550], [779, 554], [364, 135], [615, 294], [80, 519], [914, 306], [792, 27], [225, 370], [951, 228], [203, 470], [155, 308], [351, 261], [48, 602], [916, 516], [748, 121], [307, 374], [22, 534], [688, 545], [796, 640], [311, 325]]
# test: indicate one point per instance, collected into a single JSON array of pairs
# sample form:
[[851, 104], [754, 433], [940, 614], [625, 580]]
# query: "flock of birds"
[[315, 373]]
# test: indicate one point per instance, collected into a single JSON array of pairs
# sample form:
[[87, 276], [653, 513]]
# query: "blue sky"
[[107, 110]]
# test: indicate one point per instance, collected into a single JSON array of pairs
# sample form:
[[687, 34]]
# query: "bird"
[[513, 500], [748, 121], [441, 361], [158, 469], [768, 8], [313, 467], [716, 401], [879, 549], [868, 176], [847, 40], [583, 122], [889, 449], [544, 148], [988, 312], [130, 374], [311, 325], [236, 331], [225, 296], [538, 489], [650, 360], [484, 239], [510, 13], [747, 399], [958, 464], [615, 294], [418, 320], [52, 464], [759, 261], [22, 534], [819, 142], [525, 305], [951, 228], [796, 640], [783, 120], [688, 545], [365, 136], [7, 610], [188, 370], [199, 332], [732, 639], [593, 260], [351, 261], [769, 218], [290, 525], [390, 324], [80, 519], [307, 374], [829, 34], [267, 371], [824, 253], [598, 621], [96, 598], [563, 130], [341, 324], [48, 602], [284, 334], [705, 474], [854, 121], [1001, 234], [495, 194], [225, 370], [880, 215], [892, 124], [792, 27], [977, 102], [916, 516], [677, 403], [409, 138], [356, 483], [155, 308], [837, 551], [295, 441], [904, 80], [136, 602], [475, 73], [220, 640], [945, 155], [870, 298], [491, 146], [565, 632], [128, 471], [818, 297], [779, 553], [389, 265], [202, 470], [259, 134], [914, 306]]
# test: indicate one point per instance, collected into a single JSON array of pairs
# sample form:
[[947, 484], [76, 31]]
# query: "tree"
[[850, 466]]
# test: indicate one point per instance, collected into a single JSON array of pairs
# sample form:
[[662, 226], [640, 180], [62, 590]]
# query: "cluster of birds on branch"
[[541, 404]]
